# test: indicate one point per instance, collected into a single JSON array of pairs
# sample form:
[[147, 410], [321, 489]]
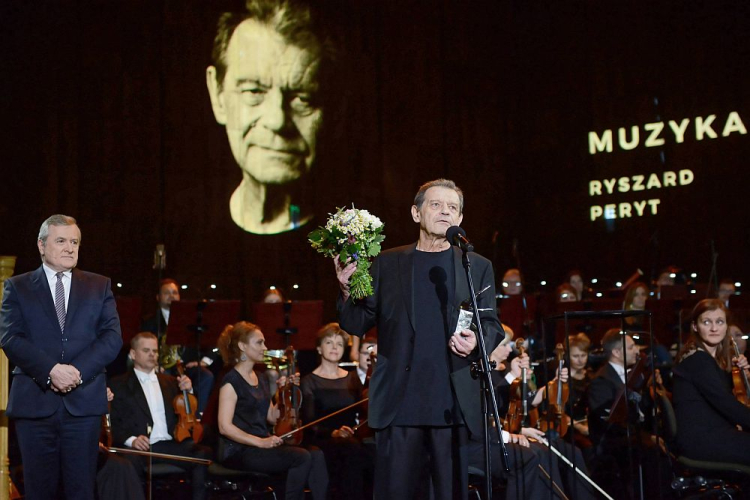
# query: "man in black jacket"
[[422, 396], [196, 366], [143, 417]]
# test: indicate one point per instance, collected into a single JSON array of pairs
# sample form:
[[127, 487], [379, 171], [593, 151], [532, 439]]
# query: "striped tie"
[[60, 301]]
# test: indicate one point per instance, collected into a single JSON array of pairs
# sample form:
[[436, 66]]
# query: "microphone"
[[457, 236]]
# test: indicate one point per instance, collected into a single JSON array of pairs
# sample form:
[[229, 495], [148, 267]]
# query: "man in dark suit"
[[59, 327], [423, 397], [143, 417], [195, 365]]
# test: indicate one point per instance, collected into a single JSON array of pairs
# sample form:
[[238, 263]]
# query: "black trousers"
[[59, 448], [411, 461]]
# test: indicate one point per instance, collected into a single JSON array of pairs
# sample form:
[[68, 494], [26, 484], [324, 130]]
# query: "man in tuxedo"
[[143, 417], [59, 327], [422, 395], [196, 366]]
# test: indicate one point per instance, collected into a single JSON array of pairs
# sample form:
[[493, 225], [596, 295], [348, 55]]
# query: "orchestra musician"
[[422, 395], [245, 410], [195, 368], [707, 412], [367, 349], [143, 416], [327, 389], [572, 483], [580, 376]]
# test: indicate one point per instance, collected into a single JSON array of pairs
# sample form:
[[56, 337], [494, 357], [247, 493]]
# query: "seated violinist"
[[367, 349], [245, 410], [326, 390], [580, 375], [143, 416], [708, 413]]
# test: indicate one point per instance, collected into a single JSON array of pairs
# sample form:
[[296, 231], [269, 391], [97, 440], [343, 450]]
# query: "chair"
[[258, 483], [690, 467]]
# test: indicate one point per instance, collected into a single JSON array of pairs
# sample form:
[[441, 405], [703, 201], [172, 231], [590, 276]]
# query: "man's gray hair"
[[446, 183], [294, 20], [55, 220]]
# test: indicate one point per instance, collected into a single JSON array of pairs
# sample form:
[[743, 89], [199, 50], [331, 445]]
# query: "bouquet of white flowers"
[[351, 234]]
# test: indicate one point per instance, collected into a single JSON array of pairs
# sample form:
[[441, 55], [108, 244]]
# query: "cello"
[[556, 419], [186, 407], [289, 402]]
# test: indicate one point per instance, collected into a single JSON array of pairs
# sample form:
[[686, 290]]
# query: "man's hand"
[[193, 364], [184, 383], [110, 395], [343, 273], [64, 378], [141, 443], [462, 343]]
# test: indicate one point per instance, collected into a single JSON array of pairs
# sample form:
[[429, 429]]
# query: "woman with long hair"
[[245, 410], [707, 411]]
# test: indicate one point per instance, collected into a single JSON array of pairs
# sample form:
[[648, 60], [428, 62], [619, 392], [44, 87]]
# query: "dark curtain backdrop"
[[105, 116]]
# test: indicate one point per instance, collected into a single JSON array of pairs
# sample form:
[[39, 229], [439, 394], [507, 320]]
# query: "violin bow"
[[284, 436]]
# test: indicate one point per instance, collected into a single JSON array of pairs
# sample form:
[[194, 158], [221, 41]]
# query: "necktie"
[[60, 301]]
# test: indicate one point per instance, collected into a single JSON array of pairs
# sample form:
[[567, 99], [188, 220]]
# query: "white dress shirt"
[[155, 399]]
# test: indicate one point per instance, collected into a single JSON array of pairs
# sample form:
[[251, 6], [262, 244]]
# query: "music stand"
[[301, 318], [200, 322], [129, 309]]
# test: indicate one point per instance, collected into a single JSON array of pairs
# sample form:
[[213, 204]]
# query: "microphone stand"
[[482, 368]]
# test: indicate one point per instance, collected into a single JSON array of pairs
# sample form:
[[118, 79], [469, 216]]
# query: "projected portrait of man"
[[264, 85]]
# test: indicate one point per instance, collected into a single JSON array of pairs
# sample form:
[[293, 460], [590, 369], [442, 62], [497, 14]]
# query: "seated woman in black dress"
[[707, 411], [245, 410], [327, 389], [580, 378]]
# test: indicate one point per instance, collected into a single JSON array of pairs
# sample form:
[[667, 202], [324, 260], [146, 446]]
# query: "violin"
[[289, 402], [186, 407], [556, 420], [739, 379], [519, 414]]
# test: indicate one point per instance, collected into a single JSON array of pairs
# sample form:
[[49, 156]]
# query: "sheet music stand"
[[295, 322], [129, 309], [199, 322]]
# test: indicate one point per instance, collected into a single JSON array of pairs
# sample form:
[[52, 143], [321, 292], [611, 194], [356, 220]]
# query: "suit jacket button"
[[408, 368]]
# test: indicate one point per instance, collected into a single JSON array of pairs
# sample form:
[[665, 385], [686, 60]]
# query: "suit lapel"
[[41, 288], [406, 276]]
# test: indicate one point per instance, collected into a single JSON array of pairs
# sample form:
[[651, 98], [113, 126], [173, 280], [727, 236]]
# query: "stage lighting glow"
[[295, 286], [119, 285], [599, 294], [543, 283], [618, 283], [594, 281], [693, 275], [213, 287], [184, 287]]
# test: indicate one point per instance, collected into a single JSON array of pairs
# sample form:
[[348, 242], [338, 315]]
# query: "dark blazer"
[[603, 390], [30, 336], [130, 414], [391, 309]]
